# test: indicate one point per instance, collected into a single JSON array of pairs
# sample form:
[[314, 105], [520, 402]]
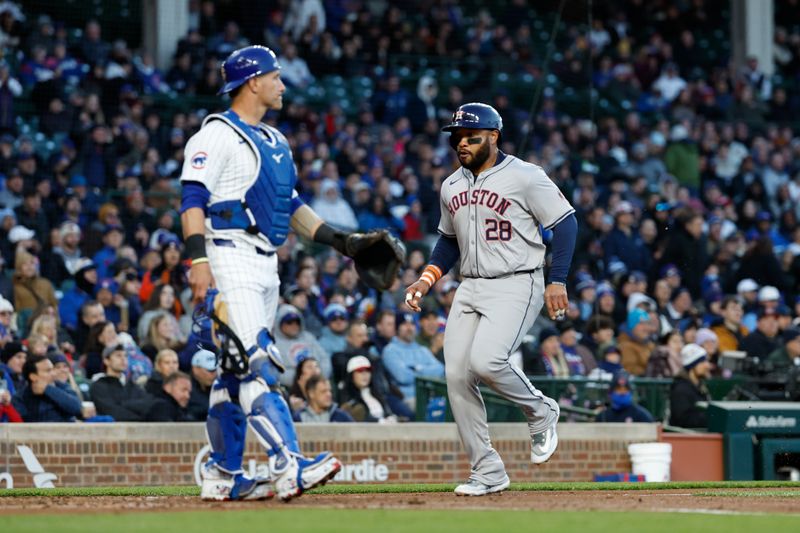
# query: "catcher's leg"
[[226, 428], [271, 421]]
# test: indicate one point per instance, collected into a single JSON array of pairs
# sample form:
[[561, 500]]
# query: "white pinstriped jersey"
[[220, 159], [495, 216]]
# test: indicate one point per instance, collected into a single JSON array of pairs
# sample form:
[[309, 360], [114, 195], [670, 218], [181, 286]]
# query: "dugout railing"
[[585, 396]]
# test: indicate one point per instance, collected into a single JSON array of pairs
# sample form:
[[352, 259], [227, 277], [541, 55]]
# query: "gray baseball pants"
[[486, 324]]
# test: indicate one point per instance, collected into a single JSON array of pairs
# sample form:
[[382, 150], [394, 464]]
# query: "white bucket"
[[651, 459]]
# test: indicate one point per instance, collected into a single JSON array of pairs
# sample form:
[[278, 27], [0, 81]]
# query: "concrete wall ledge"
[[147, 432]]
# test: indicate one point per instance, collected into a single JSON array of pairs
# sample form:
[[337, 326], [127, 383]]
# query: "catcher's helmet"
[[476, 116], [246, 63]]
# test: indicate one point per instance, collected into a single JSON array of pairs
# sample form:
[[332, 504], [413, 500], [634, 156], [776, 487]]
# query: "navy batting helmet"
[[246, 63], [476, 116]]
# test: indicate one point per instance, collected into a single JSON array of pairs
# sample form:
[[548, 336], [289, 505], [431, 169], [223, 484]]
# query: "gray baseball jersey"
[[496, 216]]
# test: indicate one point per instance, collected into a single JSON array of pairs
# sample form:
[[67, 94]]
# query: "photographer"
[[688, 388], [787, 355]]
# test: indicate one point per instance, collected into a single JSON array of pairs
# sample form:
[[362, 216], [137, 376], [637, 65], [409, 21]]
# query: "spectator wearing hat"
[[431, 332], [12, 361], [621, 406], [31, 290], [686, 249], [446, 297], [708, 341], [113, 237], [360, 396], [301, 299], [623, 243], [765, 339], [608, 365], [116, 307], [115, 395], [62, 375], [170, 271], [579, 357], [405, 359], [321, 408], [31, 215], [166, 363], [688, 388], [334, 335], [44, 399], [203, 374], [69, 246], [586, 288], [332, 208], [636, 343], [682, 159], [552, 361], [295, 343], [7, 325], [85, 277], [729, 330], [11, 195], [788, 355]]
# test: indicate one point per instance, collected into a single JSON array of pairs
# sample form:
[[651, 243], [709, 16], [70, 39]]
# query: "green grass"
[[391, 521], [407, 488], [753, 493]]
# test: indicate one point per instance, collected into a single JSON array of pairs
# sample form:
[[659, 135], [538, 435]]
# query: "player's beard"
[[476, 161]]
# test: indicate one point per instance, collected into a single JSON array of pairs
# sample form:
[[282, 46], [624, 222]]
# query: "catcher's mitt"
[[377, 255]]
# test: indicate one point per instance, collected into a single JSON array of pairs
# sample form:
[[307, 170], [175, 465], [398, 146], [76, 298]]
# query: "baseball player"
[[493, 209], [238, 203]]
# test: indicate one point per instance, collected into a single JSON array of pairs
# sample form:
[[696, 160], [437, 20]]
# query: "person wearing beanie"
[[636, 343], [621, 405], [554, 363], [688, 388], [789, 354]]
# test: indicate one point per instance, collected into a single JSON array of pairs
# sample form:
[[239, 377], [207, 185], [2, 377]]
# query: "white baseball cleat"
[[543, 445], [473, 487], [304, 474], [222, 486]]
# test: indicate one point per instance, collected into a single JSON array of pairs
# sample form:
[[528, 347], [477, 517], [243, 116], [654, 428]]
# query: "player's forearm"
[[563, 246], [305, 222], [193, 221], [444, 256]]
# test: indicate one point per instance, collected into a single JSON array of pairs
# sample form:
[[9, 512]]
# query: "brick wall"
[[164, 454]]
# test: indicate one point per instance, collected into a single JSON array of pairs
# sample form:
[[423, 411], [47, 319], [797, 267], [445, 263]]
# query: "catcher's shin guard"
[[226, 429]]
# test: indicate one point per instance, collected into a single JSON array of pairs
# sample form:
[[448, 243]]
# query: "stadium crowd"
[[686, 188]]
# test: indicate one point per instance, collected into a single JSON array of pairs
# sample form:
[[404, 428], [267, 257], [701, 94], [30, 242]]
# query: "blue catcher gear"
[[246, 63], [226, 425]]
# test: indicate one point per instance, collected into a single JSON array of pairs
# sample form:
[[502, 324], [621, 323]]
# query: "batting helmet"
[[246, 63], [476, 116]]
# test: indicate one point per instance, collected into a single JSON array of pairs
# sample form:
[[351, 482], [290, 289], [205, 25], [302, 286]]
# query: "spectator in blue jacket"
[[12, 361], [624, 244], [621, 406], [406, 359], [44, 399], [320, 408], [334, 335]]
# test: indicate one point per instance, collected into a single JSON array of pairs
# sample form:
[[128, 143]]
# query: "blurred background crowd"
[[684, 172]]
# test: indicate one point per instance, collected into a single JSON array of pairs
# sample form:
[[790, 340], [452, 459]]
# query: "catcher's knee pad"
[[265, 359], [270, 418], [226, 429]]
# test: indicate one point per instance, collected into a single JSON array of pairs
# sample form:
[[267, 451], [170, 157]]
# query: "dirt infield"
[[696, 500]]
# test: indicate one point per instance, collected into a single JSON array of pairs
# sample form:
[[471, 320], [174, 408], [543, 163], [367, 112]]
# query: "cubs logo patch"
[[199, 160]]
